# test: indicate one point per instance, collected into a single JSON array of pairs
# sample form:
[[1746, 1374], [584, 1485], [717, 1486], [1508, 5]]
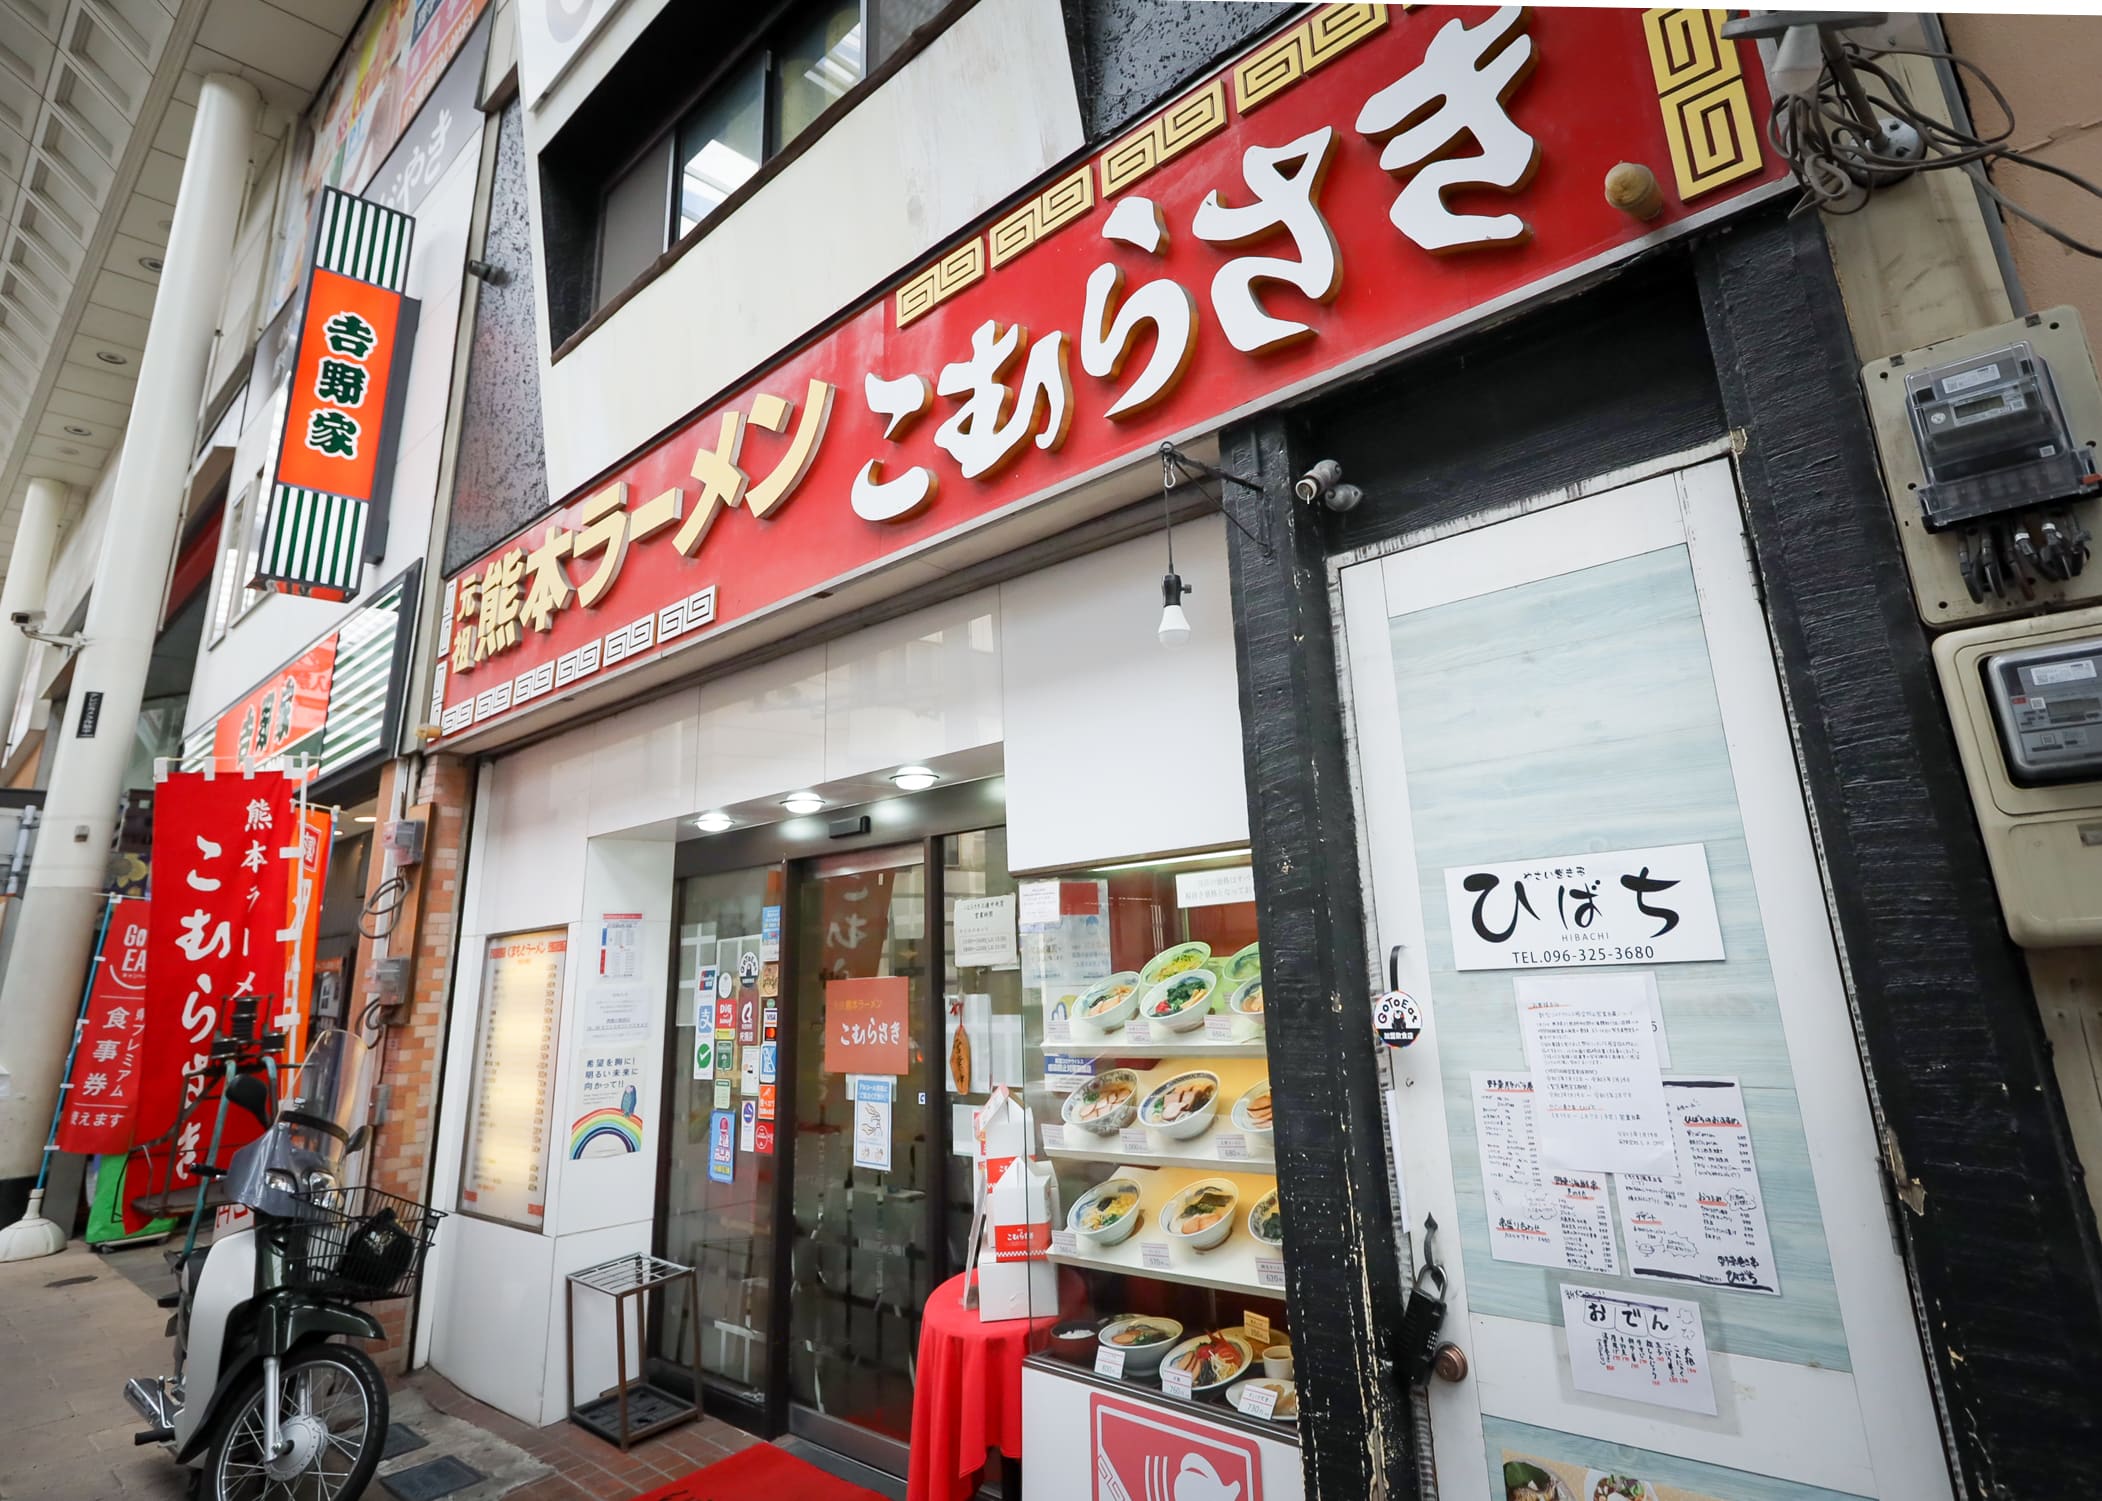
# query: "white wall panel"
[[988, 107], [914, 688], [646, 762], [762, 732], [532, 867], [490, 1324], [1117, 746]]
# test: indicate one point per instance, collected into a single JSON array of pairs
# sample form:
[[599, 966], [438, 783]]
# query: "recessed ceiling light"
[[111, 357], [364, 818], [714, 822], [78, 431], [913, 778], [152, 263], [802, 803]]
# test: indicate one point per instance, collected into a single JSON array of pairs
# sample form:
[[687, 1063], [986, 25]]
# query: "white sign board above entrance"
[[1647, 906]]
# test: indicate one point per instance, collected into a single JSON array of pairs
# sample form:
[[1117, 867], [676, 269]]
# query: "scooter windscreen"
[[313, 1134]]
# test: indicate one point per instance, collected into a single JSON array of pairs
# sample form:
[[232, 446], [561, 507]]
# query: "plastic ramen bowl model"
[[1170, 962], [1106, 1213], [1245, 965], [1264, 1221], [1180, 1001], [1144, 1339], [1183, 1107], [1211, 1360], [1201, 1216], [1251, 1114], [1104, 1104], [1246, 1002], [1109, 1003], [1287, 1408]]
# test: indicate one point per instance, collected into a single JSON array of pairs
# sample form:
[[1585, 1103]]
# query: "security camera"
[[1319, 480], [20, 617]]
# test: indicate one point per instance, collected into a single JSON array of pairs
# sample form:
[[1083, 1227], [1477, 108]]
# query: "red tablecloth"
[[967, 1397]]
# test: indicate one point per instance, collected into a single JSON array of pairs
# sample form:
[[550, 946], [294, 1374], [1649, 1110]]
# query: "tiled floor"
[[65, 1353]]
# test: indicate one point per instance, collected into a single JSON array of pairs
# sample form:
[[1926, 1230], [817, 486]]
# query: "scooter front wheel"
[[332, 1422]]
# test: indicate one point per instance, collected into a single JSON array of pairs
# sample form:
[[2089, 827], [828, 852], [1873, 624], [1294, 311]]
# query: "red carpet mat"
[[760, 1473]]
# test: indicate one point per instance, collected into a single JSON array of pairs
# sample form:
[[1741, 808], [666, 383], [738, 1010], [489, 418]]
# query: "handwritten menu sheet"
[[1599, 1095], [1707, 1223], [1642, 1349], [1537, 1216]]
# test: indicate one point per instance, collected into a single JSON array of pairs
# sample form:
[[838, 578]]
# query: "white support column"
[[28, 571], [41, 990]]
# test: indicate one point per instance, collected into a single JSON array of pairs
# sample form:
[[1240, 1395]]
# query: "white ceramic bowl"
[[1256, 1211], [1191, 1124], [1237, 1003], [1287, 1408], [1220, 1227], [1242, 1367], [1191, 1016], [1110, 1122], [1113, 1017], [1141, 1360], [1114, 1232], [1170, 955], [1243, 964], [1258, 1132]]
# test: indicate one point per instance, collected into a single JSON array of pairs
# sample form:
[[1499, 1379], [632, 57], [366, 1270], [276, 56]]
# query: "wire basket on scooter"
[[355, 1244]]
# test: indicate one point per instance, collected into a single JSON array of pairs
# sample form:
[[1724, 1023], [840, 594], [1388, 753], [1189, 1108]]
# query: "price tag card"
[[1134, 1139], [1269, 1271], [1178, 1384], [1054, 1137], [1058, 1029], [1138, 1031], [1218, 1029], [1066, 1243], [1233, 1146], [1257, 1325], [1153, 1255], [1108, 1362], [1259, 1401]]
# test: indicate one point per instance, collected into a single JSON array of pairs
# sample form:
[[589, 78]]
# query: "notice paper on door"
[[985, 933], [1599, 1093], [1537, 1216], [872, 1095], [1641, 1349], [1708, 1223]]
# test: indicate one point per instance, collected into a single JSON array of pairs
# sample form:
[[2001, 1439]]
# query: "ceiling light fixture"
[[151, 263], [714, 822], [1174, 624], [111, 357], [364, 818], [78, 431], [914, 778], [802, 804]]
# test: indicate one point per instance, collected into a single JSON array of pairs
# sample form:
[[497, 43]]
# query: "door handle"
[[1394, 967]]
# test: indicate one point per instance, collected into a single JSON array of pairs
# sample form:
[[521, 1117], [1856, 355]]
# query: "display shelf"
[[1232, 1267], [1236, 1077]]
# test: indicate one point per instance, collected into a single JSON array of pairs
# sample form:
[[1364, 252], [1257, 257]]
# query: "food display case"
[[1151, 1100]]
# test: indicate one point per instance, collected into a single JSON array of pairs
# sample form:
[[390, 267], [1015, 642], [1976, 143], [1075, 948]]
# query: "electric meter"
[[1993, 437], [2048, 703]]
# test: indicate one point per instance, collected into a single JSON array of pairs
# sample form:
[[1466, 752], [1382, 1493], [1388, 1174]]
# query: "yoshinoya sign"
[[1366, 180]]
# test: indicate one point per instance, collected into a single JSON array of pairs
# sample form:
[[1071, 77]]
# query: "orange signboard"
[[336, 416], [289, 707], [867, 1026]]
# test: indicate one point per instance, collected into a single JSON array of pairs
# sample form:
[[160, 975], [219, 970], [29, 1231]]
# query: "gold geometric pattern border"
[[1193, 118], [1049, 211], [942, 280], [1267, 72], [1706, 104]]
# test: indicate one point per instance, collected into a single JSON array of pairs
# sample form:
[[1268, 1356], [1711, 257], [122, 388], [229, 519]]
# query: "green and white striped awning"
[[358, 238], [313, 543]]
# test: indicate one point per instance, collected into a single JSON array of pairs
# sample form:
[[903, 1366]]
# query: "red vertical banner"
[[102, 1089], [226, 851], [306, 880]]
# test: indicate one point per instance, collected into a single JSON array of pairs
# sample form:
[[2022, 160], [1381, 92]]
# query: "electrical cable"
[[1838, 158], [385, 902]]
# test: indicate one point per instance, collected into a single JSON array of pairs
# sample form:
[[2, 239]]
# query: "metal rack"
[[634, 1407]]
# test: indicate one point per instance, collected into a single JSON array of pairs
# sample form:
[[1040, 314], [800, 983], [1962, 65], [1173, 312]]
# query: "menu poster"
[[1707, 1225], [620, 945], [1561, 1219], [1641, 1349], [1599, 1094], [504, 1173]]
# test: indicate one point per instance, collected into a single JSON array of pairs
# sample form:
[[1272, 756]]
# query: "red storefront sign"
[[339, 386], [103, 1087], [868, 1026], [1367, 180], [1144, 1452], [279, 716], [225, 857]]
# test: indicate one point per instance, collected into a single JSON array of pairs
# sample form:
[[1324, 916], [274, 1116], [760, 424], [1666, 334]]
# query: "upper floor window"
[[604, 229]]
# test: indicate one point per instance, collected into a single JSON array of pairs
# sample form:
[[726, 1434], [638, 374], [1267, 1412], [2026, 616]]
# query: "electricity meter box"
[[2025, 698], [1989, 448]]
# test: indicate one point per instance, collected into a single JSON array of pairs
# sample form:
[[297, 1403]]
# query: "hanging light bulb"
[[1174, 624]]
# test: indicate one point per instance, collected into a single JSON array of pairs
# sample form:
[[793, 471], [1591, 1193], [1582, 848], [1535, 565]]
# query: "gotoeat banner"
[[1370, 178]]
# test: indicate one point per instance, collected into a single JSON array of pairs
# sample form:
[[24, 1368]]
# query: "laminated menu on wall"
[[1537, 1217], [1707, 1224]]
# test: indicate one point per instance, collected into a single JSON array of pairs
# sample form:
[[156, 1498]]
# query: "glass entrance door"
[[867, 1153]]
